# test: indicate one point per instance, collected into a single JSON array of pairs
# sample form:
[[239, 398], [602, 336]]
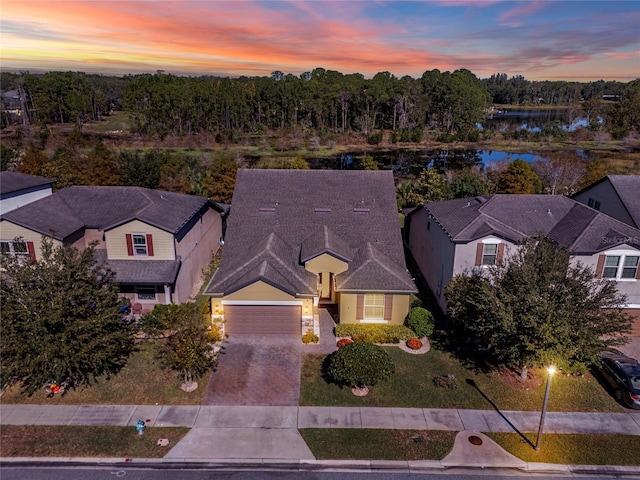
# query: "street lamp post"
[[551, 371]]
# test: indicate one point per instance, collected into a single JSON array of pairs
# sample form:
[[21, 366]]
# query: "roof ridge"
[[624, 204], [373, 256]]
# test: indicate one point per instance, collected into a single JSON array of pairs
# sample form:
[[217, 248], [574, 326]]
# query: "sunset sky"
[[541, 40]]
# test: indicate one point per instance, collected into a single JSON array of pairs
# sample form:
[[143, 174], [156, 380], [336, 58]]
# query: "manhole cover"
[[475, 440]]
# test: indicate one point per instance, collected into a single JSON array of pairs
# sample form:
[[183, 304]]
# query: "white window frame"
[[374, 306], [12, 248], [135, 247], [485, 254], [622, 256]]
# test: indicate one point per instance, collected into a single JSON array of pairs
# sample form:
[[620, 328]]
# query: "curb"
[[411, 466]]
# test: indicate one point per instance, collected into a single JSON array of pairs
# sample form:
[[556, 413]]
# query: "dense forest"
[[296, 115]]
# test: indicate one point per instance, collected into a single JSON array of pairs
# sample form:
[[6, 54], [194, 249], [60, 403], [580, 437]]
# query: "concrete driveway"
[[264, 369]]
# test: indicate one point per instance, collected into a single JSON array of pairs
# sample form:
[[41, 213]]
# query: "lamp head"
[[551, 369]]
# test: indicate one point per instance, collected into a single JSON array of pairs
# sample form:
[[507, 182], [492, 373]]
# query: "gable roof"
[[11, 182], [515, 217], [77, 207], [627, 188], [287, 217]]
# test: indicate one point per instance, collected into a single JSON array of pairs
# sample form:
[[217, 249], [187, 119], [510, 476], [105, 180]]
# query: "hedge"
[[374, 333]]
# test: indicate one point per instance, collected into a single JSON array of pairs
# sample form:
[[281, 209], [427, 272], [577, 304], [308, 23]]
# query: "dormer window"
[[139, 244], [489, 253]]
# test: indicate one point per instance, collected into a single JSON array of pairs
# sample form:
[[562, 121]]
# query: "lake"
[[533, 120]]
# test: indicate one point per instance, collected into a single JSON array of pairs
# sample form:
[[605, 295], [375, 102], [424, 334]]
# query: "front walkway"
[[264, 369]]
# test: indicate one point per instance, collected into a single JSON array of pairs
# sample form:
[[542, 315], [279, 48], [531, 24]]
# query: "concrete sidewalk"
[[290, 417]]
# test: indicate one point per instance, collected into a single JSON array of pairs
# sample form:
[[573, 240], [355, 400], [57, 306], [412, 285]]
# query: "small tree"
[[189, 352], [359, 363], [61, 319], [421, 321]]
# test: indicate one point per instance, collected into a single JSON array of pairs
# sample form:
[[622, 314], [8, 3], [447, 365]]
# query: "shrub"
[[357, 364], [310, 337], [344, 341], [414, 344], [374, 333], [421, 321]]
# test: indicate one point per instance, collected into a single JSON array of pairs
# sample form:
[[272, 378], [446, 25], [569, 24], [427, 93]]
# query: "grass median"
[[84, 441], [413, 386]]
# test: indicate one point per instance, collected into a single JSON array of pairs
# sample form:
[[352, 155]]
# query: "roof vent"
[[267, 209], [468, 204], [361, 209], [322, 210], [548, 211]]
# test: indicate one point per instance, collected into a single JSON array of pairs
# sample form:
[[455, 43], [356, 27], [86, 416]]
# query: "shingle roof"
[[514, 217], [306, 213], [77, 207], [628, 189], [141, 272], [14, 181]]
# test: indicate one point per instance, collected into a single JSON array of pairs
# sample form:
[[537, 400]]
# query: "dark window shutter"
[[388, 306], [479, 249], [32, 251], [149, 245], [500, 253], [360, 307], [600, 266], [638, 272], [129, 245]]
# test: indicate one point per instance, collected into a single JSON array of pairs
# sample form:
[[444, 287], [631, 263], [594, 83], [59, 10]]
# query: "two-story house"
[[299, 239], [616, 195], [466, 235], [156, 242]]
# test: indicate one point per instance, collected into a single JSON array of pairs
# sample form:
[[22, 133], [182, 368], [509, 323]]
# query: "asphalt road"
[[111, 473]]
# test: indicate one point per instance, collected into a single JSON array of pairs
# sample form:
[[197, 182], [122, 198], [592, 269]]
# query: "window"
[[374, 306], [139, 244], [146, 293], [621, 266], [489, 253], [15, 247], [595, 204]]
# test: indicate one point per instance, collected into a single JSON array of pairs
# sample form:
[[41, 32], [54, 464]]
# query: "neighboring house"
[[299, 239], [466, 235], [616, 195], [158, 243], [18, 189]]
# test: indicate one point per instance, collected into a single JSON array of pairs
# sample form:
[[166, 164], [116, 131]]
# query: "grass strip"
[[574, 449], [373, 444], [85, 441]]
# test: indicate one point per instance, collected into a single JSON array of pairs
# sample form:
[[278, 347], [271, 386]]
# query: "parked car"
[[623, 374]]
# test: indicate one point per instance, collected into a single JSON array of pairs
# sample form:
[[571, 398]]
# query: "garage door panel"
[[263, 319]]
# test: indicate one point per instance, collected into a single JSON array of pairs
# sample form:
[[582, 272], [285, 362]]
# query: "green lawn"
[[412, 386], [352, 444], [141, 382], [574, 449], [83, 441]]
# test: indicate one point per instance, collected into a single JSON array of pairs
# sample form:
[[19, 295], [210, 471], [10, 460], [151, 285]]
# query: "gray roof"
[[628, 189], [514, 217], [11, 182], [73, 208], [141, 272], [281, 218]]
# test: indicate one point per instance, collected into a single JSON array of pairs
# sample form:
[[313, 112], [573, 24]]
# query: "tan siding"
[[163, 248], [326, 263], [348, 308], [260, 291], [10, 231]]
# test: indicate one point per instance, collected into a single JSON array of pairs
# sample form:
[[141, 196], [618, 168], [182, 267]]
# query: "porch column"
[[167, 294]]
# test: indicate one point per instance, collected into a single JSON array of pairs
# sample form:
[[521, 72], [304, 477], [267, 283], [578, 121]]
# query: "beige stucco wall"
[[163, 248], [195, 250], [348, 302], [326, 263], [10, 231]]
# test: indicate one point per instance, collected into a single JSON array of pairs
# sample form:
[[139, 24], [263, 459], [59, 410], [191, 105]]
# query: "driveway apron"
[[257, 370]]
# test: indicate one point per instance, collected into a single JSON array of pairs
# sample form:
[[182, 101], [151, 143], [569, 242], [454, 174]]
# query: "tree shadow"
[[473, 384]]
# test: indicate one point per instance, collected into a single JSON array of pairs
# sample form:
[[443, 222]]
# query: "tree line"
[[321, 100]]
